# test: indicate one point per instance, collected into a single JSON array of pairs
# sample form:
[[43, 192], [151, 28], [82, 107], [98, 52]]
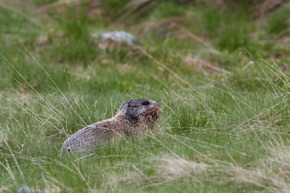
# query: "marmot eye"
[[145, 103]]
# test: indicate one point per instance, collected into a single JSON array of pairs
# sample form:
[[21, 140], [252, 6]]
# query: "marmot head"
[[140, 110]]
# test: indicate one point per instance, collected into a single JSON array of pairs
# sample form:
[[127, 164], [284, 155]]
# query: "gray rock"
[[24, 189], [119, 36]]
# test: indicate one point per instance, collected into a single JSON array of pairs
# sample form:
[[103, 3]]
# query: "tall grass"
[[222, 130]]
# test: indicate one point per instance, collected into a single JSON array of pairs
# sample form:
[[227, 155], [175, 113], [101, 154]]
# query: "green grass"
[[225, 122]]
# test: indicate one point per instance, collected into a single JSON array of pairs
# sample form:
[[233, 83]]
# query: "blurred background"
[[192, 37], [64, 31]]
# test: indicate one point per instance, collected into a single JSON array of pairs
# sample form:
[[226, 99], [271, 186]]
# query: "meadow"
[[220, 72]]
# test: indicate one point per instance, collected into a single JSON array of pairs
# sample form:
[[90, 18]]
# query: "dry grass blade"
[[171, 168], [196, 38], [267, 6], [134, 7]]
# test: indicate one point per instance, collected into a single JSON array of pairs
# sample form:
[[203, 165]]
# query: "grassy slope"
[[222, 131]]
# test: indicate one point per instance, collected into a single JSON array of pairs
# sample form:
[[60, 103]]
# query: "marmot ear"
[[122, 105]]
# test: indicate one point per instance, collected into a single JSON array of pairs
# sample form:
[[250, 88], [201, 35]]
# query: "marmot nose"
[[155, 104]]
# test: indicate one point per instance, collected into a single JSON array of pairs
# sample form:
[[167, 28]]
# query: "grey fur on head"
[[135, 108], [133, 116]]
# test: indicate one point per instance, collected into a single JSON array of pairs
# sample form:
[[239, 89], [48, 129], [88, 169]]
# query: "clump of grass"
[[16, 27], [168, 9], [279, 20]]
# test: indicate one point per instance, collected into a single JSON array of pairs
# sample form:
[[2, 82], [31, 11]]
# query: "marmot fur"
[[133, 116]]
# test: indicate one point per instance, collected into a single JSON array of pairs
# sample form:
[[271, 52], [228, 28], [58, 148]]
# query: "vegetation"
[[219, 73]]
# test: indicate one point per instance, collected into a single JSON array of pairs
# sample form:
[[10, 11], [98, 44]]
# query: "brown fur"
[[110, 129]]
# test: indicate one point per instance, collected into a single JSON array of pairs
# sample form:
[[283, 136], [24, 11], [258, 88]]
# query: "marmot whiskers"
[[133, 116]]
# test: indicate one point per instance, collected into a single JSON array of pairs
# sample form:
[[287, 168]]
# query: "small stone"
[[24, 189], [118, 36]]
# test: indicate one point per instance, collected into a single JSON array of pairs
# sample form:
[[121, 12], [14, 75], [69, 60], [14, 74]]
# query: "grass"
[[220, 77]]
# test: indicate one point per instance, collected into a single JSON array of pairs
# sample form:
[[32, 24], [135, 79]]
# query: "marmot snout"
[[133, 116]]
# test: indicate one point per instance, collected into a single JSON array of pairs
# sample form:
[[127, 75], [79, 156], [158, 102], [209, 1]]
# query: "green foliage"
[[43, 2], [279, 20], [225, 122], [15, 26], [224, 24], [168, 9], [111, 7]]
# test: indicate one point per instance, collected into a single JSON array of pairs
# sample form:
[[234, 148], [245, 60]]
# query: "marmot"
[[133, 116]]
